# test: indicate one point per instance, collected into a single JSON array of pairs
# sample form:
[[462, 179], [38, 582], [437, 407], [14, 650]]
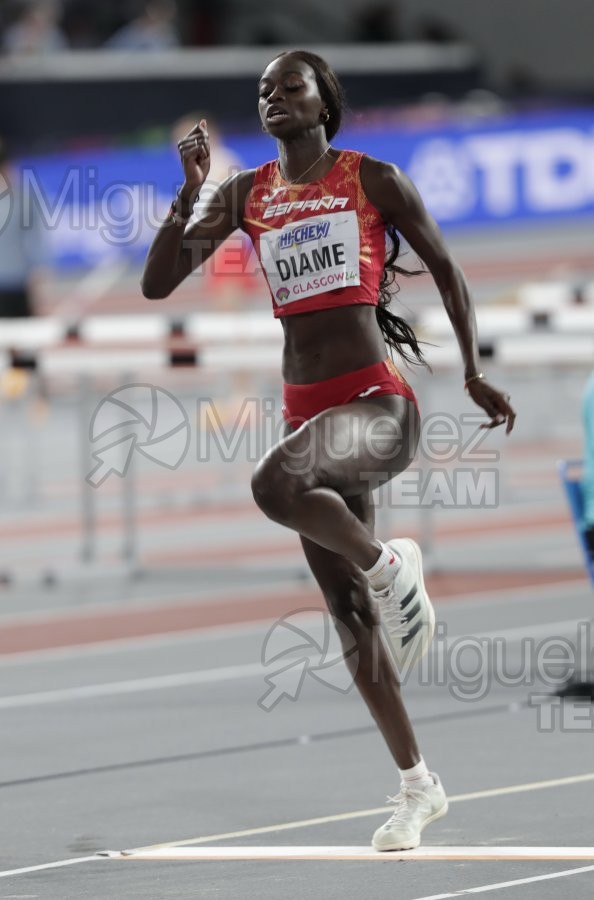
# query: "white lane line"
[[53, 865], [504, 884], [133, 686], [231, 673], [378, 810], [235, 630], [531, 786], [362, 854]]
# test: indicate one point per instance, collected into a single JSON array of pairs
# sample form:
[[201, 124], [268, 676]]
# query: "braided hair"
[[396, 331]]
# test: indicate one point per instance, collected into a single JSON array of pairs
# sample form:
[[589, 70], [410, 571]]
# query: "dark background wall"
[[53, 107]]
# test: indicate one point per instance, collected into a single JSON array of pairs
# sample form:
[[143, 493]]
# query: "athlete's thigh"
[[353, 448]]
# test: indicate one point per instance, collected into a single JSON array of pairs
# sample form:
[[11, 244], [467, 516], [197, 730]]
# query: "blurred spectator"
[[153, 29], [588, 474], [438, 31], [200, 21], [23, 247], [35, 29], [378, 23], [81, 24]]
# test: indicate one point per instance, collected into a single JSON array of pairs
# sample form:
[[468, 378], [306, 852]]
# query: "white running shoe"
[[414, 809], [405, 608]]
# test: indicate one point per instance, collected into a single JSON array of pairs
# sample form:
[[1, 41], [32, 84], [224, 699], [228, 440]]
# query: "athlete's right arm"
[[177, 251]]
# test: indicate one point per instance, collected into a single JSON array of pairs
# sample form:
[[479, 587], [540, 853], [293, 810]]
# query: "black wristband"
[[185, 209], [174, 216]]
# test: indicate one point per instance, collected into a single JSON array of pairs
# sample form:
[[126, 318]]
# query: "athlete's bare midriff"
[[330, 342]]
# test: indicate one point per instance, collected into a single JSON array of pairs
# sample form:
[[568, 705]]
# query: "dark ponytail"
[[397, 333]]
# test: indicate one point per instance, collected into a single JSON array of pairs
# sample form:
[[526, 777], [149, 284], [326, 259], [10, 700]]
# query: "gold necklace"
[[309, 168]]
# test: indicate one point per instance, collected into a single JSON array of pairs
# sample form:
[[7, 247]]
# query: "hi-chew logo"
[[311, 256], [304, 233]]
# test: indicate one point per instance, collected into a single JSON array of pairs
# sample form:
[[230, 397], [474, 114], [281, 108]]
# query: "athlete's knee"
[[263, 484], [275, 489]]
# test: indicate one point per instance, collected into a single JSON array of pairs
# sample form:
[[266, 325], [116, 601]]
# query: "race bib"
[[311, 256]]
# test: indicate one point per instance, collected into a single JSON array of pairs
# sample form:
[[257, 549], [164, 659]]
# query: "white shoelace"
[[402, 801], [394, 618]]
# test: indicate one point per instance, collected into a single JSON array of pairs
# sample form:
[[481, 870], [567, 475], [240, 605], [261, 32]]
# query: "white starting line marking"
[[459, 798], [377, 811], [359, 854]]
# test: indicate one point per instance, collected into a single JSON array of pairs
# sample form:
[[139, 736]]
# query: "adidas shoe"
[[415, 808], [405, 609]]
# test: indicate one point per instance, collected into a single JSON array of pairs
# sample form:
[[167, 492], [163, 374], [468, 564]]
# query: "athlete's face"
[[289, 99]]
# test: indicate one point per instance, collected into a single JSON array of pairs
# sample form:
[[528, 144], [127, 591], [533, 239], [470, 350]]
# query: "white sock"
[[382, 572], [418, 777]]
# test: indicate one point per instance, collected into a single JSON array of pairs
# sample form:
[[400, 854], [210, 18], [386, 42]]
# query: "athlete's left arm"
[[395, 196]]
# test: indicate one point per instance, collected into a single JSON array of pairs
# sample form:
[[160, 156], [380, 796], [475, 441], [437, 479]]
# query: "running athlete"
[[318, 218]]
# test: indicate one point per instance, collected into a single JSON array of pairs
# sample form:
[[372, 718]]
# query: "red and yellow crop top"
[[320, 244]]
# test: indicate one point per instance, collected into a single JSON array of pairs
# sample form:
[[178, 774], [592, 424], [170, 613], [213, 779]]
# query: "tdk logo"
[[302, 234]]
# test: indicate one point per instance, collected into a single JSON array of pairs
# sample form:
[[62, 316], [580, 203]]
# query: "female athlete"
[[318, 217]]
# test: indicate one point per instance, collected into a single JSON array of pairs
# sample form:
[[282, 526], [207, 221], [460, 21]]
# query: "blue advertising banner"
[[512, 168]]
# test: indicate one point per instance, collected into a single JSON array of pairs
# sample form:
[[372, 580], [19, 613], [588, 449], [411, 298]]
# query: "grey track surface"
[[132, 769], [146, 764]]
